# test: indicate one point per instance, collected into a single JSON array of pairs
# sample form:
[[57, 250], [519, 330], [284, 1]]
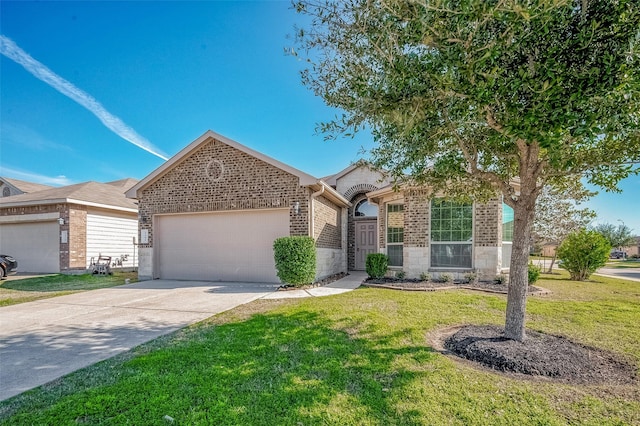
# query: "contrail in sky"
[[12, 51]]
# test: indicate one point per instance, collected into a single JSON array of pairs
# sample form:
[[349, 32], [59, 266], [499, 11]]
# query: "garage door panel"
[[225, 246], [35, 245]]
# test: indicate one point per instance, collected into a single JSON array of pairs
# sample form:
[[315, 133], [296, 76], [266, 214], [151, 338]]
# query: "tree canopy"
[[617, 236], [478, 97]]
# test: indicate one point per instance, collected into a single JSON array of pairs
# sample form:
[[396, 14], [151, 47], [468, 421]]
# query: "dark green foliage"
[[534, 273], [295, 260], [583, 252], [377, 265]]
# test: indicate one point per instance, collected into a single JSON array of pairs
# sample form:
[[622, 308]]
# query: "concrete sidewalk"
[[43, 340], [343, 285]]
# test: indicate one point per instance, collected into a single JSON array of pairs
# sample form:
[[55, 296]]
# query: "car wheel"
[[3, 273]]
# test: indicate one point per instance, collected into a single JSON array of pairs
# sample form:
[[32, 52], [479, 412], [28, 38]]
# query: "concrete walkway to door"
[[43, 340]]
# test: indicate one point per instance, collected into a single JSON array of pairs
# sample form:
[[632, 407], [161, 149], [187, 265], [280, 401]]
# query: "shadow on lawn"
[[269, 369]]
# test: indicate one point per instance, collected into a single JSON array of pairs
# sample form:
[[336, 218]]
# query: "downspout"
[[311, 210]]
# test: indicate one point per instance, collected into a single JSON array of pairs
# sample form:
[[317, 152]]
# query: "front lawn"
[[623, 264], [360, 358], [29, 289]]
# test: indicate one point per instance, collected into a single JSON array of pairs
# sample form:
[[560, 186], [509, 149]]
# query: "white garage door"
[[223, 246], [34, 245]]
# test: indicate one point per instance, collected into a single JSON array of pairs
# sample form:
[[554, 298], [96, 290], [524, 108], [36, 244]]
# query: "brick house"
[[10, 187], [62, 229], [213, 210]]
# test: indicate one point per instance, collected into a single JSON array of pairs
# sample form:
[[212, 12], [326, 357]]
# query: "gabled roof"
[[333, 179], [305, 179], [94, 194], [25, 186], [125, 184]]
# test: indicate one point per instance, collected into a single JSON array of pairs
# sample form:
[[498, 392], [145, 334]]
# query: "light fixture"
[[296, 208], [61, 221]]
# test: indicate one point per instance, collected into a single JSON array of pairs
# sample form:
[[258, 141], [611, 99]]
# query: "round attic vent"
[[215, 170]]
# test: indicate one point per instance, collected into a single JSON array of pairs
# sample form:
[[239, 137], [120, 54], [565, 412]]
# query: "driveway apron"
[[43, 340]]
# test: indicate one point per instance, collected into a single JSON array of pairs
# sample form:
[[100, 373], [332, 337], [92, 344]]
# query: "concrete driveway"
[[43, 340]]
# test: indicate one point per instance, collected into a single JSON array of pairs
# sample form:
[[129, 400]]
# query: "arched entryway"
[[363, 234]]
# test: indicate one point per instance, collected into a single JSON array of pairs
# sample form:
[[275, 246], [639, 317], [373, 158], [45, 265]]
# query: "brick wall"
[[488, 224], [416, 217], [218, 177], [77, 247], [327, 224]]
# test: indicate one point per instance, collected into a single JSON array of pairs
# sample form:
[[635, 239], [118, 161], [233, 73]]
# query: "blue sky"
[[127, 83]]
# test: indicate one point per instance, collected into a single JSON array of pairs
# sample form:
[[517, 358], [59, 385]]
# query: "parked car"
[[618, 255], [8, 265]]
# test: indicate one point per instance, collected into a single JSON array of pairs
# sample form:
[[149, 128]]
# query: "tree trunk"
[[553, 260], [518, 273]]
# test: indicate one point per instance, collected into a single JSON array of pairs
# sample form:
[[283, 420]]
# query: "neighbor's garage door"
[[34, 245], [222, 246]]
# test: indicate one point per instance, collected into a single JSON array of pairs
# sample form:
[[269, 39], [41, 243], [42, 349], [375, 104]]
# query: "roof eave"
[[304, 178], [67, 201]]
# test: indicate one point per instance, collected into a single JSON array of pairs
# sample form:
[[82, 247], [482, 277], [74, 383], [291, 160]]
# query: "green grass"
[[29, 289], [624, 264], [361, 358]]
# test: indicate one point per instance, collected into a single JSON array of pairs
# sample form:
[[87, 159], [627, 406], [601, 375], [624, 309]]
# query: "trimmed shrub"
[[446, 277], [425, 276], [377, 265], [401, 275], [534, 273], [471, 277], [582, 253], [500, 279], [295, 260]]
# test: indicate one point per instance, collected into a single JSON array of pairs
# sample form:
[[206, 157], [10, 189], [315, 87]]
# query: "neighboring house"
[[10, 187], [213, 210], [63, 229], [634, 250]]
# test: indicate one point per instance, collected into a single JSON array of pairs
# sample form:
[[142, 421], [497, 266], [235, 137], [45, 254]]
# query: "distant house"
[[213, 210], [10, 187], [633, 250], [63, 229]]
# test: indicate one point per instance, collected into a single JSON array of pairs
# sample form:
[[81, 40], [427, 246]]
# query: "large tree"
[[618, 236], [484, 96], [558, 215]]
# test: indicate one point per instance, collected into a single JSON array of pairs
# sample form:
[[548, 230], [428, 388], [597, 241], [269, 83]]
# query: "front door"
[[366, 238]]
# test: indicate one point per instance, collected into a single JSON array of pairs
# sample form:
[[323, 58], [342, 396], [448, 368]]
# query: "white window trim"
[[471, 241], [386, 232]]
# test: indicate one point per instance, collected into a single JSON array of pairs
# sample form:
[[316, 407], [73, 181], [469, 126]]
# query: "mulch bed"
[[416, 285], [328, 280], [540, 355]]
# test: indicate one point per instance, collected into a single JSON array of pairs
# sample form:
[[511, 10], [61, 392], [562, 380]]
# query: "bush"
[[500, 279], [401, 275], [471, 277], [425, 276], [295, 260], [446, 277], [583, 252], [534, 273], [377, 265]]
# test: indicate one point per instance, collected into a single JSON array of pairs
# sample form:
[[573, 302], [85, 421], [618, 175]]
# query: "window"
[[364, 208], [395, 233], [507, 223], [451, 234]]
